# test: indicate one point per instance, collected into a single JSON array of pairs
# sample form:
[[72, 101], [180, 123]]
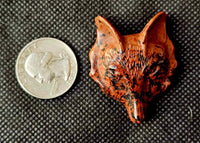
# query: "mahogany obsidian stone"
[[133, 68]]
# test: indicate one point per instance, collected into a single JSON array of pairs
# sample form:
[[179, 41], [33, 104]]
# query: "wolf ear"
[[155, 30], [107, 34]]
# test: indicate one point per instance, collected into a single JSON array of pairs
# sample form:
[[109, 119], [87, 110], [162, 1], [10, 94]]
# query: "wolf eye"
[[152, 70], [153, 67], [155, 70]]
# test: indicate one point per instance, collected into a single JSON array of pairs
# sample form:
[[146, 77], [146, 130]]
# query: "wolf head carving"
[[133, 68]]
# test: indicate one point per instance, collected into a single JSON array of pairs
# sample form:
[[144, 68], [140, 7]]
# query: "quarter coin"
[[46, 68]]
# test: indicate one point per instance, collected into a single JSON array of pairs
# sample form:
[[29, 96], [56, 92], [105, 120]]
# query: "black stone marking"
[[103, 35], [138, 118], [123, 63], [149, 94], [109, 33], [118, 58], [99, 21], [122, 86], [114, 82], [139, 65], [146, 60], [134, 83], [146, 69], [136, 75], [151, 82], [138, 55], [120, 52], [103, 49], [134, 80], [112, 70], [152, 68], [158, 86], [163, 86], [133, 65], [106, 73], [141, 58], [116, 87], [157, 46], [120, 76], [142, 99], [139, 42], [105, 45], [126, 75], [115, 49], [133, 86], [127, 96]]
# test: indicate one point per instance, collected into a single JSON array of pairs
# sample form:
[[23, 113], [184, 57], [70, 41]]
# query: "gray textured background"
[[85, 114]]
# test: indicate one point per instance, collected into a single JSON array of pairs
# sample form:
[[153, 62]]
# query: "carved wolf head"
[[133, 68]]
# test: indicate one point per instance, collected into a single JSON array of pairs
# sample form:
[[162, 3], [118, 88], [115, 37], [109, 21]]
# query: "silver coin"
[[46, 68]]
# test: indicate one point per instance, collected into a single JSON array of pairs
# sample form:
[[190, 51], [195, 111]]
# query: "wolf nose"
[[136, 109]]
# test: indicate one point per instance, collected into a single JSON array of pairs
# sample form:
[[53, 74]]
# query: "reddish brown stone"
[[133, 68]]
